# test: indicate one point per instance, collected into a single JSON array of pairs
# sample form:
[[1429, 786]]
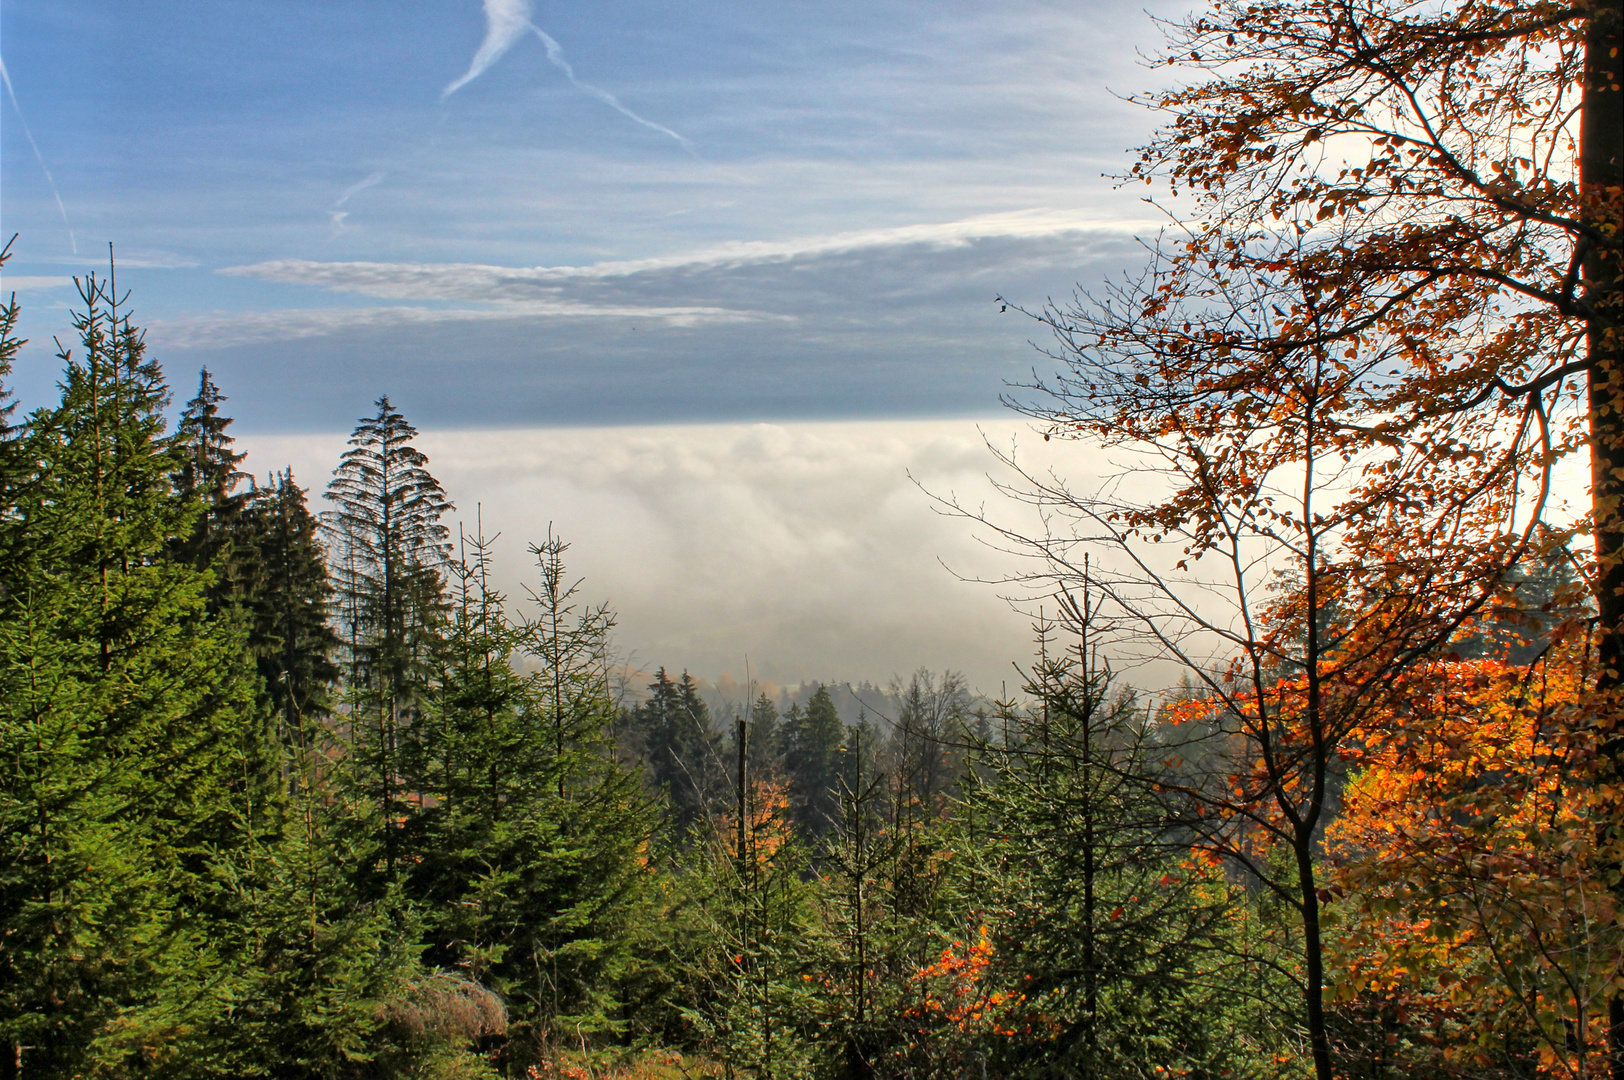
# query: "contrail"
[[338, 215], [505, 22], [555, 54], [5, 76]]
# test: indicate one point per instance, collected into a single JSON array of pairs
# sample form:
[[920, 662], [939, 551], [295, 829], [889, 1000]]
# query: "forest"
[[293, 789]]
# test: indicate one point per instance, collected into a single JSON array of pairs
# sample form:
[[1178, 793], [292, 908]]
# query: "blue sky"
[[721, 273], [838, 191]]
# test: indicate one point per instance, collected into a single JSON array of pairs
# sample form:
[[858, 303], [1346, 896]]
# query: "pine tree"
[[389, 549]]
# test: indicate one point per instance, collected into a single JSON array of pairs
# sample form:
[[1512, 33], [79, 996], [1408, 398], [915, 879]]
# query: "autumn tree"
[[1481, 931], [1275, 537], [1433, 195], [1449, 178]]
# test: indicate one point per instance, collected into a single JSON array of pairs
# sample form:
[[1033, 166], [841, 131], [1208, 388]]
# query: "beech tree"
[[1276, 539], [1481, 930], [1394, 258], [1445, 184]]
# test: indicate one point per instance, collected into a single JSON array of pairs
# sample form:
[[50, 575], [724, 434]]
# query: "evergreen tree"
[[924, 756], [1104, 925], [813, 738], [127, 727], [209, 473], [389, 549], [526, 843], [14, 468], [766, 740], [288, 601], [682, 751]]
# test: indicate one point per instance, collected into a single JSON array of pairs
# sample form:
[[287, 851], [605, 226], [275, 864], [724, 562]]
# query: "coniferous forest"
[[289, 787]]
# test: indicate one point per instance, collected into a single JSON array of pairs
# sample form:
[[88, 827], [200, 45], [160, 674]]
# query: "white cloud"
[[470, 281], [229, 330], [30, 282], [804, 545]]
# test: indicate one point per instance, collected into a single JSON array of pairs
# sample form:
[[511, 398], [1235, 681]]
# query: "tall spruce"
[[389, 551], [209, 473], [127, 725]]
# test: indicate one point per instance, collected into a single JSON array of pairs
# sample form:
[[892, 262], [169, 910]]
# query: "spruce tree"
[[389, 550], [1110, 931], [14, 469], [766, 740], [209, 473], [288, 601], [924, 753], [683, 753], [127, 725], [812, 760], [525, 846]]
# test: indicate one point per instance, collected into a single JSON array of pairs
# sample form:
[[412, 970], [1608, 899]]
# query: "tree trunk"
[[1601, 177]]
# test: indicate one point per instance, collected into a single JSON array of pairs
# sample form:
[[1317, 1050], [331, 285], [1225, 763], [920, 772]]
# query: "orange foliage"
[[769, 826], [955, 989], [1479, 902]]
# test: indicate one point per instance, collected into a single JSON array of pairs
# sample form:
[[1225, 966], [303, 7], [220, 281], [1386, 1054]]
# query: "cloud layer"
[[899, 321], [804, 546]]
